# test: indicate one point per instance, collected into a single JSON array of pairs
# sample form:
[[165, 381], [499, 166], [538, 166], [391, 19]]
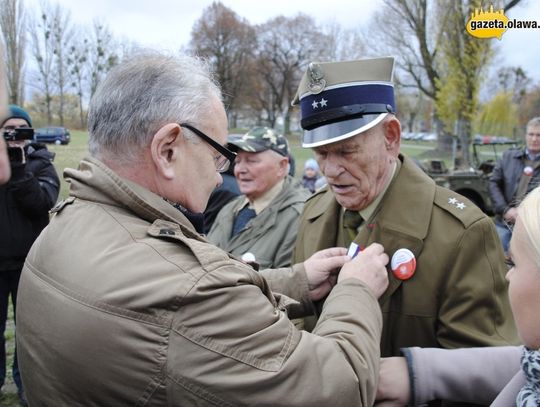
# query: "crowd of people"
[[156, 282]]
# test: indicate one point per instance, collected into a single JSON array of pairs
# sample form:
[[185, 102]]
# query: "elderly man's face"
[[533, 139], [357, 168], [257, 173]]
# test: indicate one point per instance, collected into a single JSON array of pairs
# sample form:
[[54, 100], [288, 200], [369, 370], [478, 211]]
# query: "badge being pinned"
[[528, 170], [354, 249], [403, 264]]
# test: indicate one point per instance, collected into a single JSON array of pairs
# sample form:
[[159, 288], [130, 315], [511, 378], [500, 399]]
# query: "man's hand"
[[394, 383], [321, 269], [17, 151], [369, 267]]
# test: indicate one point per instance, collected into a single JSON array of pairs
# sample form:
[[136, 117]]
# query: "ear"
[[164, 149], [283, 167], [392, 135]]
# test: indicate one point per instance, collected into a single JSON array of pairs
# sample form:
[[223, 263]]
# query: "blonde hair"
[[529, 213]]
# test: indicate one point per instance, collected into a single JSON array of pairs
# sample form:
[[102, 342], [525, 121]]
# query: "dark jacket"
[[457, 296], [505, 177], [220, 197], [24, 205]]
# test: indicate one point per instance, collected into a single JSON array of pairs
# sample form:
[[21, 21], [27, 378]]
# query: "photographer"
[[25, 201]]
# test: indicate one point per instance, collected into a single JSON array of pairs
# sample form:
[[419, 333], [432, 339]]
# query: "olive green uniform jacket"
[[122, 303], [270, 235], [457, 296]]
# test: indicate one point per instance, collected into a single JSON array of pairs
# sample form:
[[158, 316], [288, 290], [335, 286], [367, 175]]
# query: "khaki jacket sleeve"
[[232, 346], [292, 282], [471, 375]]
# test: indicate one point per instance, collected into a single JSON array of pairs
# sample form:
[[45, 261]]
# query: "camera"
[[16, 153], [19, 133]]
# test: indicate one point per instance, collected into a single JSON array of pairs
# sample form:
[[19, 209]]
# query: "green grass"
[[69, 156]]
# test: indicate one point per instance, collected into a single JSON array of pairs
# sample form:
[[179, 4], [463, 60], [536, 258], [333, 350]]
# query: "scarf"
[[529, 395]]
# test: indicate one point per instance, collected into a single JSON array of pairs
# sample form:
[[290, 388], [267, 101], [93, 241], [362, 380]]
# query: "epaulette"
[[458, 206]]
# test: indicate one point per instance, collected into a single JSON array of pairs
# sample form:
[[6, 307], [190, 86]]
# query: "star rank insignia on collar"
[[456, 203]]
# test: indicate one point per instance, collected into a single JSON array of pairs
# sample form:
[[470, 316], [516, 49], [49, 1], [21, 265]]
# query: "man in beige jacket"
[[122, 302]]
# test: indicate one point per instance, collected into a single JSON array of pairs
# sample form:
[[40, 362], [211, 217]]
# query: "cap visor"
[[333, 132], [248, 146]]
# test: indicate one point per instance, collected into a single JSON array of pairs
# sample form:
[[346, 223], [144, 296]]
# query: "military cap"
[[261, 139], [339, 100]]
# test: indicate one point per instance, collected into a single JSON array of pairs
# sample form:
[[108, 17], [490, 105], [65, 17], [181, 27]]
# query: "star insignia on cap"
[[315, 104], [452, 201], [323, 102]]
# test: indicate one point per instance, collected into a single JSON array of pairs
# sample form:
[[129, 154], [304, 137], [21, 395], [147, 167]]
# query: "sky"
[[167, 24]]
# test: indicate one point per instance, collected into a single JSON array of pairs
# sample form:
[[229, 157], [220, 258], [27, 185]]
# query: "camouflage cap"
[[261, 139], [339, 100]]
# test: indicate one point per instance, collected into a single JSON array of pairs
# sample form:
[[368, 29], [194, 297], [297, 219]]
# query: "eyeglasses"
[[227, 156]]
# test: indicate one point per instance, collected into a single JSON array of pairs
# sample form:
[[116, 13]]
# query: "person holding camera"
[[25, 201]]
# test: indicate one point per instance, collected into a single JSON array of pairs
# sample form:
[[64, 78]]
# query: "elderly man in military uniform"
[[261, 224], [447, 286]]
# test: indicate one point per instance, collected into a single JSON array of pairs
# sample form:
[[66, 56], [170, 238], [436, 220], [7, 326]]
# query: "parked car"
[[56, 135], [473, 182]]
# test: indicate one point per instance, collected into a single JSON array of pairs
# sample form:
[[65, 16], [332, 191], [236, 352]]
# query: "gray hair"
[[534, 122], [141, 95]]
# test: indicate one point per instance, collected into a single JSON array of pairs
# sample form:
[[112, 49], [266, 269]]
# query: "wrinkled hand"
[[394, 384], [321, 269], [369, 267]]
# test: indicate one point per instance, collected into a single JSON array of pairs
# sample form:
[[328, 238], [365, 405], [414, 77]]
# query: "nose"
[[331, 168], [508, 274]]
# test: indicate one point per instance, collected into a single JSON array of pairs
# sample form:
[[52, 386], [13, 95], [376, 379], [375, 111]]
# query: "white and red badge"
[[403, 264], [528, 170]]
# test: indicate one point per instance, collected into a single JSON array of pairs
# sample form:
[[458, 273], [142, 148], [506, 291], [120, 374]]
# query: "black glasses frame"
[[228, 154]]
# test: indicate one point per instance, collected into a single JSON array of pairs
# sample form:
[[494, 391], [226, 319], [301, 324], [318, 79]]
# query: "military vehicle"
[[472, 182]]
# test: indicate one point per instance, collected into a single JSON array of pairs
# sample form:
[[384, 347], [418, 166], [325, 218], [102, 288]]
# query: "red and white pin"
[[528, 170], [403, 264]]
